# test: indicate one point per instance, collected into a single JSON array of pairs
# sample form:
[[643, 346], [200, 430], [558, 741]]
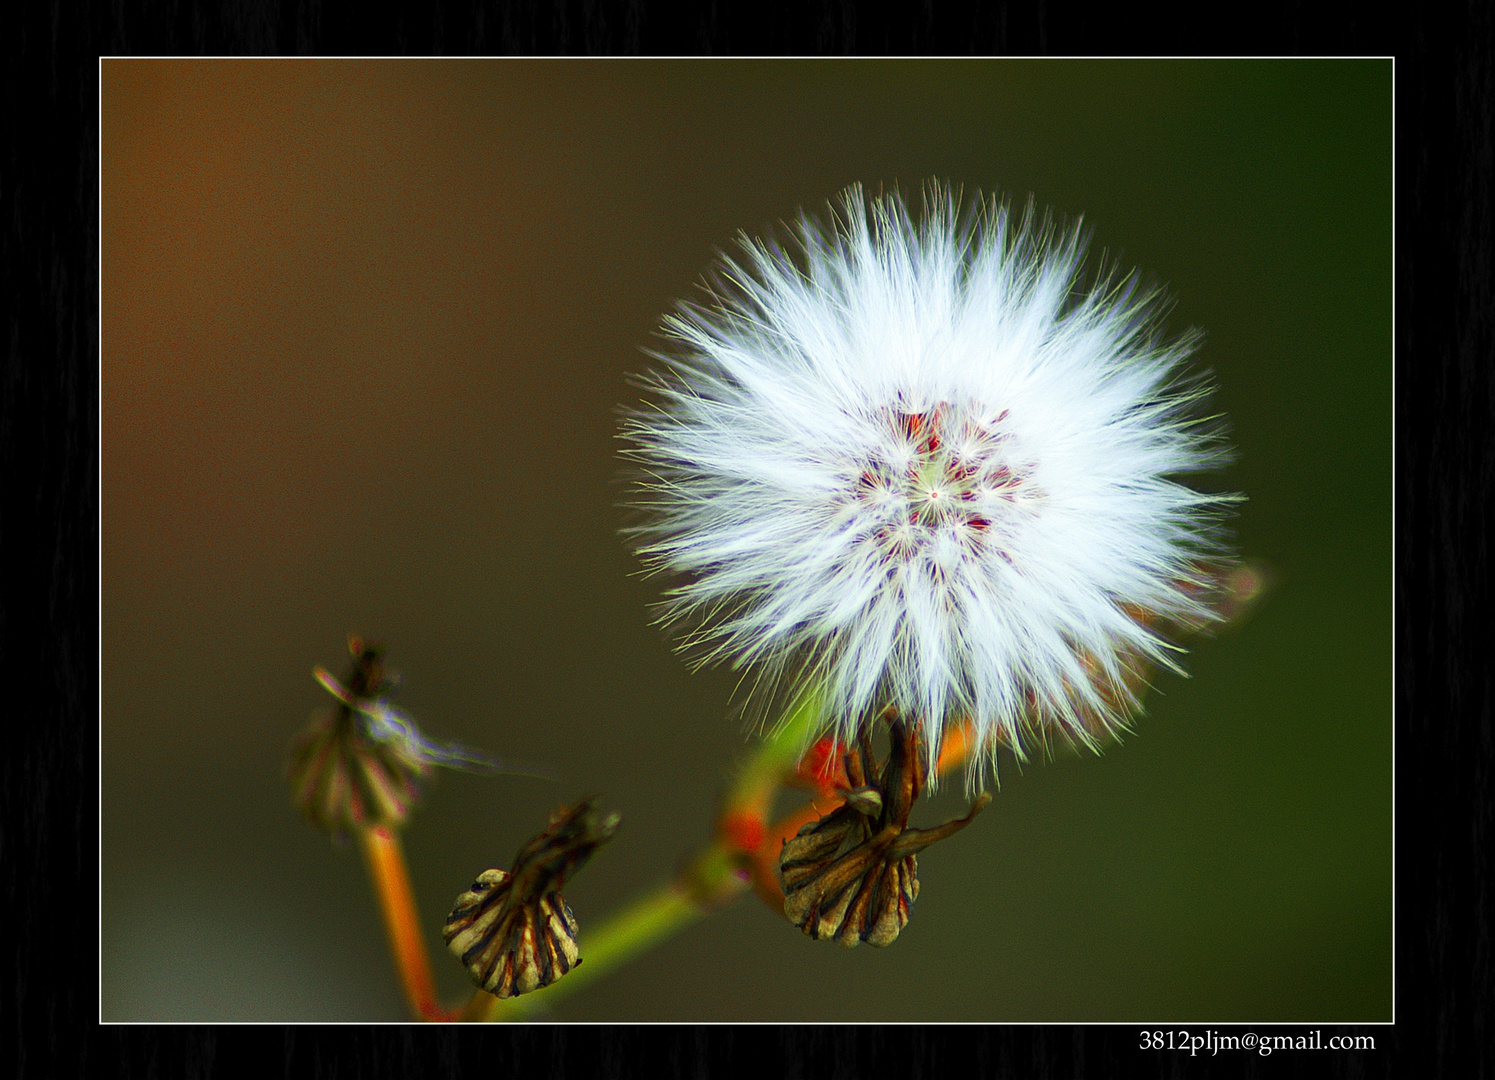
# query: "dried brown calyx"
[[852, 875], [513, 931], [341, 777]]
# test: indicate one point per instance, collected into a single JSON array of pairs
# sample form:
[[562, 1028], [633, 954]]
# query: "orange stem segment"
[[386, 859]]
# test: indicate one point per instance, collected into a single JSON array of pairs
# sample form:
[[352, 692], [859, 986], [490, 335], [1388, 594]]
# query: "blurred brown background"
[[366, 326]]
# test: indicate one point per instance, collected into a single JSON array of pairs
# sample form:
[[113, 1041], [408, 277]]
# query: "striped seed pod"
[[852, 876], [513, 931]]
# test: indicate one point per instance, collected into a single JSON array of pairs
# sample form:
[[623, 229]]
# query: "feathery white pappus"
[[919, 463]]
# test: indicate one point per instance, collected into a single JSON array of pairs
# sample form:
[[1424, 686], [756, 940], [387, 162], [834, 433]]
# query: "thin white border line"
[[1173, 1026], [736, 59], [99, 523], [1392, 523]]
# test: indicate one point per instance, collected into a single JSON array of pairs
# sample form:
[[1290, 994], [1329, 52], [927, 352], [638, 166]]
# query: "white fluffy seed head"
[[919, 464]]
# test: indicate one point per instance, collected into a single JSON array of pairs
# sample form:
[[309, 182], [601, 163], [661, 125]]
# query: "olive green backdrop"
[[366, 326]]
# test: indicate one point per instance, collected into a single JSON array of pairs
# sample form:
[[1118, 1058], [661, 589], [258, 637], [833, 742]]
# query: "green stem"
[[778, 754], [639, 927], [713, 878]]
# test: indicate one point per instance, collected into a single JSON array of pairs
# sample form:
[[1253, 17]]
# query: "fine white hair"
[[922, 464]]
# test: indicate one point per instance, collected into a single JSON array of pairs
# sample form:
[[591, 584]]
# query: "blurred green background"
[[366, 326]]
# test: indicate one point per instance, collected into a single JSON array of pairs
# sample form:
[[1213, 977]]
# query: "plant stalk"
[[386, 859]]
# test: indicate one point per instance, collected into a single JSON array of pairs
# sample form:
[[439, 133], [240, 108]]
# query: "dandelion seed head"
[[922, 464]]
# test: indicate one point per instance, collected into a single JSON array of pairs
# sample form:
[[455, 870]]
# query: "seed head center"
[[947, 472]]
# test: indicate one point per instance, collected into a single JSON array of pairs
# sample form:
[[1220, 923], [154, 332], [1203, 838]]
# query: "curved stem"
[[746, 849], [775, 759], [744, 854], [718, 874], [637, 928]]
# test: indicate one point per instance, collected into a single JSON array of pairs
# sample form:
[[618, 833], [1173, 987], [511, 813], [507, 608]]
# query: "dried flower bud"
[[514, 931], [852, 875], [342, 778], [361, 763]]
